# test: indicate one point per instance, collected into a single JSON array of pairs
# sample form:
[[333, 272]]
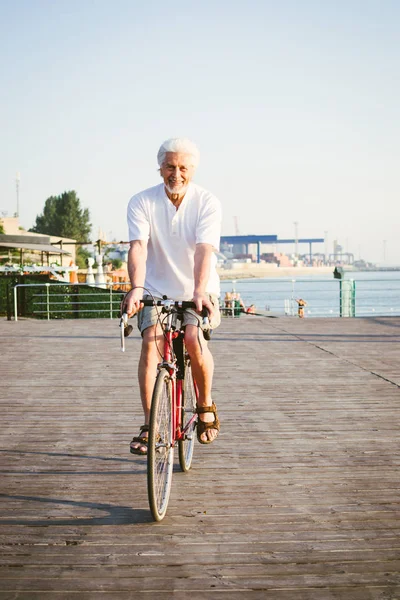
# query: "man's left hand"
[[202, 300]]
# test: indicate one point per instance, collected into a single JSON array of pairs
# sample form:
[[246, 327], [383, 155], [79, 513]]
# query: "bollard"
[[100, 279], [90, 274]]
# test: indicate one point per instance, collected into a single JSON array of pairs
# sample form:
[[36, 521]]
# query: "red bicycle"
[[173, 416]]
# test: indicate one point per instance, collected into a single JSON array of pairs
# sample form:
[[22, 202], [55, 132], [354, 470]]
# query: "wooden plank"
[[389, 592], [297, 500]]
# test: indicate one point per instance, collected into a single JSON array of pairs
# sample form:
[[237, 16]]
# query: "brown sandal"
[[202, 426], [143, 441]]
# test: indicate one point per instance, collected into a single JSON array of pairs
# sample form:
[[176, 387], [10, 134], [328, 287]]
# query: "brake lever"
[[125, 330], [206, 324]]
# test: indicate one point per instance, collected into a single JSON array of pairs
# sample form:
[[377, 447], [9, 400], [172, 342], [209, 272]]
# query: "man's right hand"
[[132, 304]]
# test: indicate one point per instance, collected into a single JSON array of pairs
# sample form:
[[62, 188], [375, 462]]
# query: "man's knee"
[[151, 337], [193, 335]]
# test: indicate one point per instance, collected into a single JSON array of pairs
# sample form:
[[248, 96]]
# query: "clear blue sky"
[[293, 104]]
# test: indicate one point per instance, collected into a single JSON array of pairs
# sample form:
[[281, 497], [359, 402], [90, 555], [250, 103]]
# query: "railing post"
[[47, 301], [292, 299], [347, 298], [111, 302], [8, 307], [15, 303]]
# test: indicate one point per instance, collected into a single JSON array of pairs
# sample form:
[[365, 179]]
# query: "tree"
[[81, 257], [1, 227], [63, 216]]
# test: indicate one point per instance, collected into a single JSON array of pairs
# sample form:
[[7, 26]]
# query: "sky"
[[294, 106]]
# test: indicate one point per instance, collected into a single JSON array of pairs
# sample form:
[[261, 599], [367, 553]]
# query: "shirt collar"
[[186, 198]]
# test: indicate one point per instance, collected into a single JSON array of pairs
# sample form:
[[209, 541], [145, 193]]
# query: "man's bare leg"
[[147, 372], [203, 370]]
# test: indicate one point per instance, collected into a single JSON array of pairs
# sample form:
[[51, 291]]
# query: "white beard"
[[176, 190]]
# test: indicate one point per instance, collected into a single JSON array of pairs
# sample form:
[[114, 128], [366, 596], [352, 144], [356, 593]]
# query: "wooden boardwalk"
[[297, 500]]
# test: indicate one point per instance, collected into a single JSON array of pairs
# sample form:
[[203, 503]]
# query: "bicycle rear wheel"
[[189, 402], [160, 454]]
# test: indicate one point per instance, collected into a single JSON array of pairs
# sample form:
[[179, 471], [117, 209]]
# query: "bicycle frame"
[[175, 367], [170, 408]]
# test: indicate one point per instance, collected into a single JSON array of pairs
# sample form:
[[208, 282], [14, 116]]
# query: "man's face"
[[177, 172]]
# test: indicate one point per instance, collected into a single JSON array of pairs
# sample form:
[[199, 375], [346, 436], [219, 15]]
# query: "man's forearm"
[[202, 265], [137, 257]]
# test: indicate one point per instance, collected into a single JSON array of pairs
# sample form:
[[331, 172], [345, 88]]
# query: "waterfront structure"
[[37, 245], [246, 240]]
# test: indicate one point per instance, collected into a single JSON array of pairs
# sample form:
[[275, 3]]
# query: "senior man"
[[174, 229]]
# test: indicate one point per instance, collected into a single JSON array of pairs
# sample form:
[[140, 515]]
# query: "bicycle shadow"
[[116, 515]]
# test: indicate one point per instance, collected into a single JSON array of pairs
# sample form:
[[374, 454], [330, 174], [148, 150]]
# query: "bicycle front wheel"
[[189, 401], [160, 454]]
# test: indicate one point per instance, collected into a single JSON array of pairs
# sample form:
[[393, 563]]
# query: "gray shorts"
[[148, 316]]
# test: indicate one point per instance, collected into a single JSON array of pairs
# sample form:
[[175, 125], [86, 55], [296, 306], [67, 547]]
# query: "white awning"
[[35, 247]]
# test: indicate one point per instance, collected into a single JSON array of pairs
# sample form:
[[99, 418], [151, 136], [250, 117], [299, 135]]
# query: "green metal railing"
[[325, 298], [358, 297], [64, 300]]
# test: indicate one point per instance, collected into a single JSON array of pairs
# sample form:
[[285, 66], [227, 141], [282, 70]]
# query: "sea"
[[375, 293]]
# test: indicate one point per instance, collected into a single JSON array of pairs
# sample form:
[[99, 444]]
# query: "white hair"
[[182, 145]]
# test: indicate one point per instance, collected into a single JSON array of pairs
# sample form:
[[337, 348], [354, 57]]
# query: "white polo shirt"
[[172, 236]]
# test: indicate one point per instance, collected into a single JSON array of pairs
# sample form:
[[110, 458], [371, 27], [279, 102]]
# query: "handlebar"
[[167, 303], [184, 304]]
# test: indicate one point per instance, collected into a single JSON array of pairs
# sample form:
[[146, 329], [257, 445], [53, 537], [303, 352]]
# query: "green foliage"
[[1, 227], [116, 263], [63, 216], [64, 302], [25, 295], [81, 256]]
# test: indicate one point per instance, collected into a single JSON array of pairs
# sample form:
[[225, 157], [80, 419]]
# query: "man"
[[174, 229]]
